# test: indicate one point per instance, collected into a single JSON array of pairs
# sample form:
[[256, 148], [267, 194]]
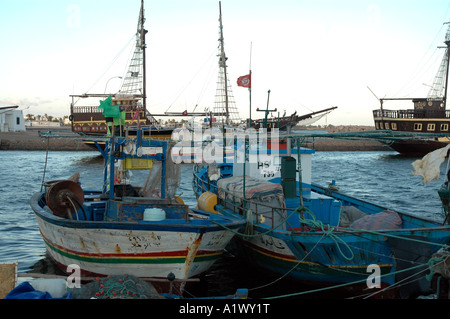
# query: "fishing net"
[[152, 186], [116, 287]]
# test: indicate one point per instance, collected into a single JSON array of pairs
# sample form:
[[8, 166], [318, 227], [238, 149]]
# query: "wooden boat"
[[314, 234], [429, 115], [116, 230], [88, 121]]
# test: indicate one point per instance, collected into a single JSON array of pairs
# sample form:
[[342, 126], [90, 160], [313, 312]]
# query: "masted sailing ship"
[[89, 120], [429, 115], [131, 98]]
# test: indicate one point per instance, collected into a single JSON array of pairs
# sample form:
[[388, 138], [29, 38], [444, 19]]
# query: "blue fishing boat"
[[311, 233], [122, 228]]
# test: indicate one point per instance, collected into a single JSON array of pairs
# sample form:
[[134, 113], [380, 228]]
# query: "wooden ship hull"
[[418, 121], [429, 116], [286, 122], [184, 247]]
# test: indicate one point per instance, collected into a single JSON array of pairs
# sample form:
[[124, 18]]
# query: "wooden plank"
[[8, 277], [51, 276]]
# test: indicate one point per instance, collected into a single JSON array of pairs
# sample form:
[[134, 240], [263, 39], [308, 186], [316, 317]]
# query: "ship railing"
[[411, 114], [278, 216], [86, 109]]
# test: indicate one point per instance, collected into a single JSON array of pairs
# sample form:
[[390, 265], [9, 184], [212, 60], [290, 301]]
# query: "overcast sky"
[[311, 54]]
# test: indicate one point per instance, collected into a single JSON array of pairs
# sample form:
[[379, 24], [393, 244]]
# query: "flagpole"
[[250, 90]]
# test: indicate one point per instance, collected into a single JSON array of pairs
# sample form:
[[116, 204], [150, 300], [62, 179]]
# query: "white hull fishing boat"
[[142, 231]]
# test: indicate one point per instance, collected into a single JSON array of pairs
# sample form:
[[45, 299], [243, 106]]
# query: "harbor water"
[[383, 178]]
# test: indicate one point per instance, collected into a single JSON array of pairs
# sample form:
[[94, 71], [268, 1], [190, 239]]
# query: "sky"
[[311, 54]]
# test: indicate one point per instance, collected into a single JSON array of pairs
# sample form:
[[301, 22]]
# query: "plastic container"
[[56, 287], [154, 214]]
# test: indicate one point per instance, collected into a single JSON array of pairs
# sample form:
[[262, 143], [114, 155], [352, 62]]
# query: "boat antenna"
[[250, 89]]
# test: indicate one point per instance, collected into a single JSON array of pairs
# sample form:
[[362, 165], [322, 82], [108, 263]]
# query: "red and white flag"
[[245, 81]]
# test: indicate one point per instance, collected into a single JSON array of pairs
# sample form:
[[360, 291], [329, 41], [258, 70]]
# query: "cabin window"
[[417, 126], [431, 127], [377, 125], [18, 120], [394, 126], [444, 127], [386, 126]]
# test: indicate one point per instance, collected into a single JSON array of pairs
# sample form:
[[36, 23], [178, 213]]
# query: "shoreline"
[[30, 140]]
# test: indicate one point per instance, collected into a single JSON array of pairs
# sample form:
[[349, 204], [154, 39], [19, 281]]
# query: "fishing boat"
[[126, 228], [310, 233], [429, 115]]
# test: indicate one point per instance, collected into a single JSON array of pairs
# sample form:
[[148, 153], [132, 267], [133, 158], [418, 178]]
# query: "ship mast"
[[447, 57], [223, 64], [225, 107], [135, 79], [142, 32], [440, 84]]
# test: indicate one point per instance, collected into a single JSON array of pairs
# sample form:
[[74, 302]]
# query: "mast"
[[142, 32], [250, 90], [223, 63], [447, 56], [136, 77], [224, 105], [438, 90]]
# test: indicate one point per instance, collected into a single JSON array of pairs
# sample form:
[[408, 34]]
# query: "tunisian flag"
[[245, 81]]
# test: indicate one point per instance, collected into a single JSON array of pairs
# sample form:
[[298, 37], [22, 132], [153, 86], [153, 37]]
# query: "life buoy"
[[207, 202], [70, 117]]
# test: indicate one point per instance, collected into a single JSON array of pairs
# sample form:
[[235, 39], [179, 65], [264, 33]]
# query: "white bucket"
[[154, 214]]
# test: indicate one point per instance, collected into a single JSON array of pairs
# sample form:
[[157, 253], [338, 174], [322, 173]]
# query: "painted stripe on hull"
[[305, 270], [147, 258], [136, 252]]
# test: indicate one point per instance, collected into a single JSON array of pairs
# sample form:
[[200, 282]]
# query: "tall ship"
[[225, 113], [429, 115], [88, 120]]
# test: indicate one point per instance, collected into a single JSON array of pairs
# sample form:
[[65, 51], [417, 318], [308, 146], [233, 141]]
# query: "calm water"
[[379, 177]]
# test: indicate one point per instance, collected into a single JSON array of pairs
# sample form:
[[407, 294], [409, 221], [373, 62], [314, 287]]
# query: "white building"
[[11, 119]]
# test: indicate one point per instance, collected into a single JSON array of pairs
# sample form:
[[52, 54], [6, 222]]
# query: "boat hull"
[[337, 256], [142, 249], [341, 258], [415, 147]]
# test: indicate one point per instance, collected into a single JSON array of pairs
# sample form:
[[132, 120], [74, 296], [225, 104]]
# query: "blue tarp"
[[26, 291]]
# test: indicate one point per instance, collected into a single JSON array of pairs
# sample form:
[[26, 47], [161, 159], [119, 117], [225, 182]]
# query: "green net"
[[116, 287]]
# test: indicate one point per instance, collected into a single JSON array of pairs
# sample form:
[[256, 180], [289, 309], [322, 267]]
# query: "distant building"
[[41, 124], [11, 119]]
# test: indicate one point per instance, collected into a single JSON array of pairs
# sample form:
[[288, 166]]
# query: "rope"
[[338, 286], [289, 271], [46, 160], [328, 232], [434, 261]]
